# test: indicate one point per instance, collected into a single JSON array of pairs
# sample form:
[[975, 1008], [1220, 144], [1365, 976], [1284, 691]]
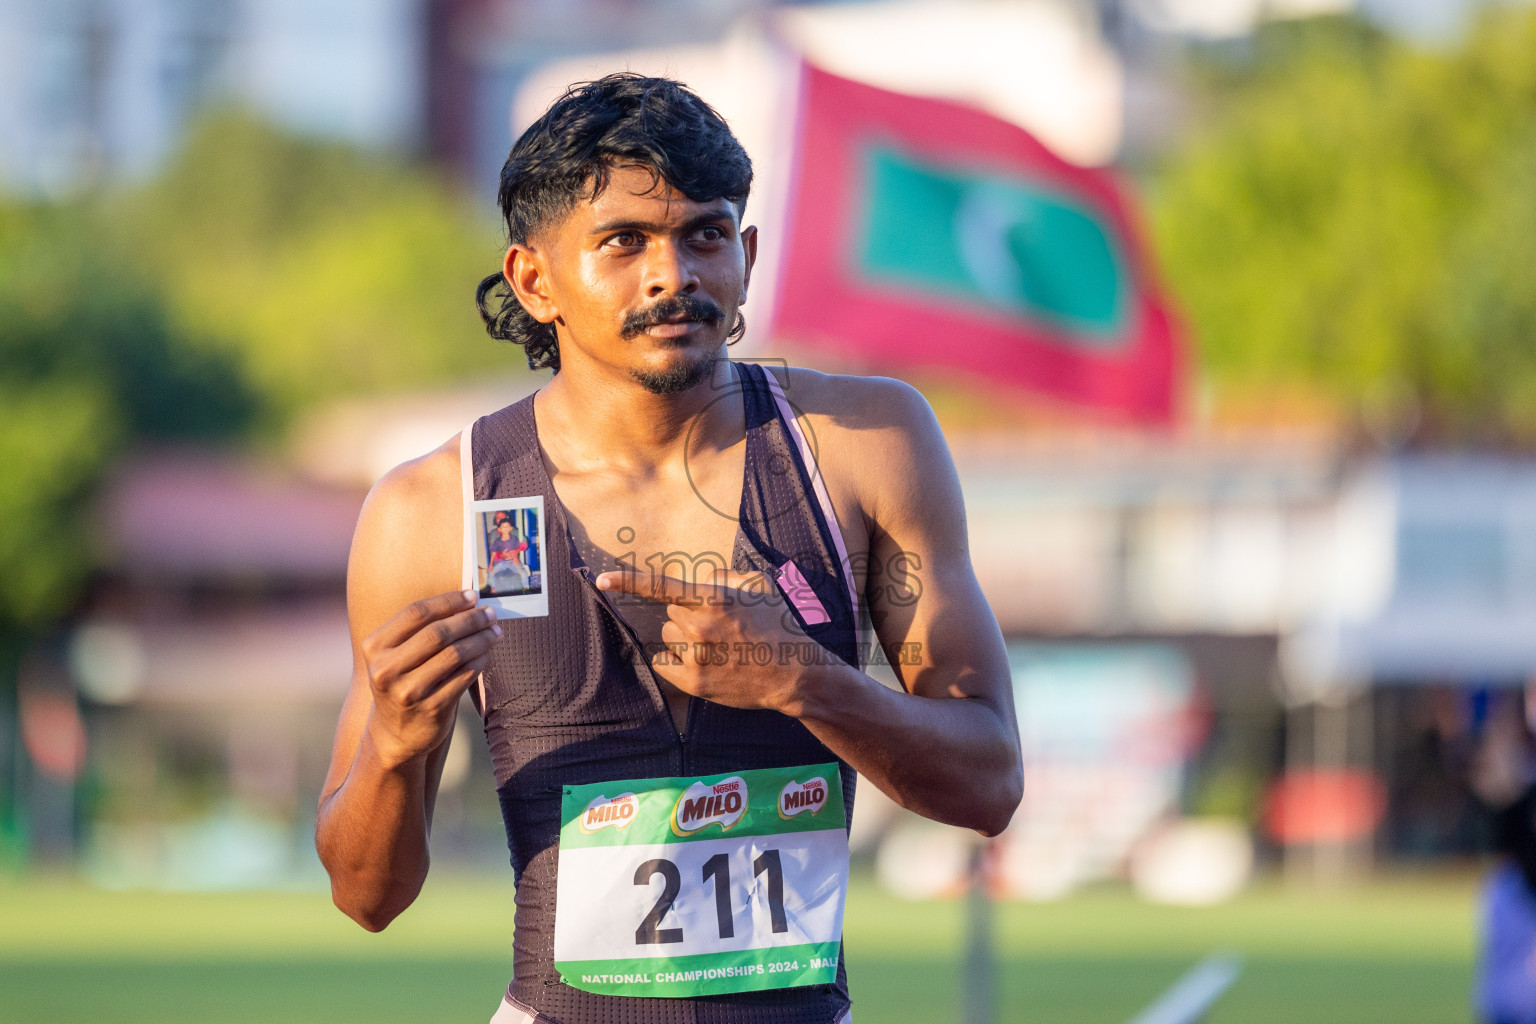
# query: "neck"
[[595, 419]]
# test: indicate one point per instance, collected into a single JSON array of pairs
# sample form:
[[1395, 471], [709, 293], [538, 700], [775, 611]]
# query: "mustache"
[[671, 309]]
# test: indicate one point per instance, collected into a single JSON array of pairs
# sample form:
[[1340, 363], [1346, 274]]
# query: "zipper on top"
[[636, 648]]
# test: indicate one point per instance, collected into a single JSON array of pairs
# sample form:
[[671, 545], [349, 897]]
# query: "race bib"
[[701, 886]]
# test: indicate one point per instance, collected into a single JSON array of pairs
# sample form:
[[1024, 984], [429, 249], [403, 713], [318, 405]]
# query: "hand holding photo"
[[504, 555]]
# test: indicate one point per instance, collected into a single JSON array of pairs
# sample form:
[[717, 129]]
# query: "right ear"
[[527, 274]]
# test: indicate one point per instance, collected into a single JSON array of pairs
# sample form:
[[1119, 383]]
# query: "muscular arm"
[[947, 748], [417, 643]]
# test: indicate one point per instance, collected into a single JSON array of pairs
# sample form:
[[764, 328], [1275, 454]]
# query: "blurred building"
[[101, 90], [479, 52], [1345, 621], [212, 657]]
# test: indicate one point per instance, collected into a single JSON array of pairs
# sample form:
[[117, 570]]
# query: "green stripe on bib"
[[761, 802], [707, 973]]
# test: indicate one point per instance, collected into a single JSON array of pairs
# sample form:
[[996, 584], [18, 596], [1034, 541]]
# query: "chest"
[[683, 520], [678, 522]]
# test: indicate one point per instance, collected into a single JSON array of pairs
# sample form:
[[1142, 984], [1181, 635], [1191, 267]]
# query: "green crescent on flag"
[[990, 239]]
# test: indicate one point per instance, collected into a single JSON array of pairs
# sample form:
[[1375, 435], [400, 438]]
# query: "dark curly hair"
[[566, 157]]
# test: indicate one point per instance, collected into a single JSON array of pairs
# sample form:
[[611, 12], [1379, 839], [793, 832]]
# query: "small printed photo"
[[506, 544]]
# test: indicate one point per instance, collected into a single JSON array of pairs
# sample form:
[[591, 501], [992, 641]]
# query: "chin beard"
[[677, 378]]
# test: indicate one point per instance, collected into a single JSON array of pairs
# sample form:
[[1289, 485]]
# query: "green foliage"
[[54, 438], [88, 362], [1356, 216], [321, 270], [67, 314], [257, 274]]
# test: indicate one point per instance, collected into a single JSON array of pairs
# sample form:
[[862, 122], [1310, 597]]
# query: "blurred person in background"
[[1504, 779], [627, 267]]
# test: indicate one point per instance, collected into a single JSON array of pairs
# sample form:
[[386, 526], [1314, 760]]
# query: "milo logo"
[[616, 814], [802, 797], [720, 803]]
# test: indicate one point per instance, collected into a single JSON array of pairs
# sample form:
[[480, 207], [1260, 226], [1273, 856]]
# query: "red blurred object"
[[829, 297], [1325, 806], [53, 734]]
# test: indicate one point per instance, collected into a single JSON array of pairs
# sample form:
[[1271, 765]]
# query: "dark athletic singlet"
[[569, 699]]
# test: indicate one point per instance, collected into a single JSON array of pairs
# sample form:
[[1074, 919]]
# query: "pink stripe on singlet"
[[818, 486], [801, 594]]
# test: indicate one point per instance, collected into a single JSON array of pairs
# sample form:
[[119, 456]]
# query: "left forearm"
[[954, 760]]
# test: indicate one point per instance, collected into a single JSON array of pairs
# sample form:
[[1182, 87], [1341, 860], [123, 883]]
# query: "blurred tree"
[[257, 274], [323, 270], [1355, 216], [88, 364]]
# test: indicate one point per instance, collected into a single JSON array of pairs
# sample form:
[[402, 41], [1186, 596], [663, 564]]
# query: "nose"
[[669, 271]]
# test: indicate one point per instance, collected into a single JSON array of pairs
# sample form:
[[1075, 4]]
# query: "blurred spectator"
[[1504, 778]]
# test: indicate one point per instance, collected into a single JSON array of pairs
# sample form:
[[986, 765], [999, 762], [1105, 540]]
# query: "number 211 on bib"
[[700, 886]]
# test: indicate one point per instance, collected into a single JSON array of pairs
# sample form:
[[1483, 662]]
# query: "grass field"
[[1397, 950]]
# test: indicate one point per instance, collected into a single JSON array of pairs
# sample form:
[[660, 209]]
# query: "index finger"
[[651, 585], [410, 620]]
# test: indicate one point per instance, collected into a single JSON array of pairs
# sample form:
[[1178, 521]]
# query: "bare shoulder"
[[408, 540], [875, 437], [853, 403], [418, 489]]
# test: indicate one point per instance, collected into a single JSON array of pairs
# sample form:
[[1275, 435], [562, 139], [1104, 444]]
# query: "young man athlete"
[[712, 508]]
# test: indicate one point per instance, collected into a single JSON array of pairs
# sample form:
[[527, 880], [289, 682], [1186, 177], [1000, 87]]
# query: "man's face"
[[644, 280]]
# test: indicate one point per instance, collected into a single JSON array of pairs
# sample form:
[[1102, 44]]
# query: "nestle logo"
[[723, 803], [805, 797], [616, 814]]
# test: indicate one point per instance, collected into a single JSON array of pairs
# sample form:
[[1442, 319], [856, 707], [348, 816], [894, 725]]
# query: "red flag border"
[[822, 299]]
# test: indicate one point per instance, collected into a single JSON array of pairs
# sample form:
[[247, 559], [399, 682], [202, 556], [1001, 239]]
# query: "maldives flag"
[[924, 233]]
